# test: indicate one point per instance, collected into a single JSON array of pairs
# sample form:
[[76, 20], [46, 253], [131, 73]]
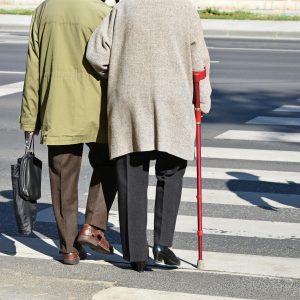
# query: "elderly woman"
[[148, 49]]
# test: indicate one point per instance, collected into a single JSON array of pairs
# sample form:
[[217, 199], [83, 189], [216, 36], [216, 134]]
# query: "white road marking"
[[228, 263], [288, 108], [252, 265], [266, 136], [236, 198], [12, 88], [282, 121], [12, 42], [255, 49], [124, 293], [242, 174], [12, 72], [251, 154], [218, 226]]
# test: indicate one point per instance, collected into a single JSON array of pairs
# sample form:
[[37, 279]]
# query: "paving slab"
[[18, 285]]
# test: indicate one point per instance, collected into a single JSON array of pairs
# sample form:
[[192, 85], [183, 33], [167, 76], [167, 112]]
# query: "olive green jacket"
[[62, 93]]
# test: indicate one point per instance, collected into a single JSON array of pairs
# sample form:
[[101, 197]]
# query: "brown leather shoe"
[[95, 239], [73, 258]]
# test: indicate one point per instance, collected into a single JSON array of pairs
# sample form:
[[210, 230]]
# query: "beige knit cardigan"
[[148, 50]]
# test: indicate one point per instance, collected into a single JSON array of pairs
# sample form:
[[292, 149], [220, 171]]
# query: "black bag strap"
[[29, 142]]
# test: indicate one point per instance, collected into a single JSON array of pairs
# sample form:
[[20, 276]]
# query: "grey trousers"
[[64, 169], [132, 181]]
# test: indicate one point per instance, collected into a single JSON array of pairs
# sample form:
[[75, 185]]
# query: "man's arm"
[[99, 46], [29, 119], [200, 59]]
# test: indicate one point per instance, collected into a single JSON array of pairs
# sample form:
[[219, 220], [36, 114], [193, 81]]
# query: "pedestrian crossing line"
[[236, 198], [241, 174], [13, 42], [216, 226], [12, 72], [11, 88], [124, 293], [252, 265], [265, 136], [288, 108], [281, 121], [251, 154], [240, 198], [216, 262]]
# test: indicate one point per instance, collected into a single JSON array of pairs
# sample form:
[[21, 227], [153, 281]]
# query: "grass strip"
[[211, 13], [21, 11], [208, 13]]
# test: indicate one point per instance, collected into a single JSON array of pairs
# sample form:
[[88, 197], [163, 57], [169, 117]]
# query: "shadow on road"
[[7, 246], [259, 197], [238, 103], [44, 239], [10, 235], [7, 194]]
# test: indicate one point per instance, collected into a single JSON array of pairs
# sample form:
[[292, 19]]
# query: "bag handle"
[[29, 142]]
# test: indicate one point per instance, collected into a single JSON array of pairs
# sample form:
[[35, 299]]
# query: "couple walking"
[[125, 89]]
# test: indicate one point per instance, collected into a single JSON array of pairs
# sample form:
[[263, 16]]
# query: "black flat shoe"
[[166, 255], [139, 266]]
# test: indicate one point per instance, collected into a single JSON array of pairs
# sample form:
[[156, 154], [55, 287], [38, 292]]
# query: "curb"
[[208, 33], [252, 34]]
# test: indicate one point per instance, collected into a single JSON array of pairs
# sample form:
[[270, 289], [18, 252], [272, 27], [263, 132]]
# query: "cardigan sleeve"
[[99, 45], [29, 119], [200, 59]]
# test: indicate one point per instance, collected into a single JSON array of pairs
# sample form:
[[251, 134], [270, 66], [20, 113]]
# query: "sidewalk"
[[252, 29], [212, 28]]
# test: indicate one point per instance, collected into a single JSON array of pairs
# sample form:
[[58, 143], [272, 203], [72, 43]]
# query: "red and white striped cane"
[[197, 77]]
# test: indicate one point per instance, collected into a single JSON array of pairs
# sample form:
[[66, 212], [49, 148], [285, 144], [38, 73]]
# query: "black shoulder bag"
[[30, 180], [26, 177]]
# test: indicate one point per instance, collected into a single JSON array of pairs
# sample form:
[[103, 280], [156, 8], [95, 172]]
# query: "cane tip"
[[200, 265]]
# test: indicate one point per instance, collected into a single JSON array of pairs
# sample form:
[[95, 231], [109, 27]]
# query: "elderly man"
[[62, 97], [148, 50]]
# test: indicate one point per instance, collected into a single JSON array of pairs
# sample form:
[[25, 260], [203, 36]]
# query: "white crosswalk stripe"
[[239, 198], [12, 72], [288, 108], [236, 198], [131, 293], [251, 154], [12, 88], [264, 136], [241, 174]]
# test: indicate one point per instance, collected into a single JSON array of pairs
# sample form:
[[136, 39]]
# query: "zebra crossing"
[[216, 261]]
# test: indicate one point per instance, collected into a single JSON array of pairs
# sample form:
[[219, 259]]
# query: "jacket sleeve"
[[99, 45], [200, 59], [29, 119]]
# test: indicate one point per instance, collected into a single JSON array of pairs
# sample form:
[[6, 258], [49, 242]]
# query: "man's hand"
[[36, 132]]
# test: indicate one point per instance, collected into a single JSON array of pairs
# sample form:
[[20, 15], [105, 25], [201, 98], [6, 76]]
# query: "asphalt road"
[[250, 78]]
